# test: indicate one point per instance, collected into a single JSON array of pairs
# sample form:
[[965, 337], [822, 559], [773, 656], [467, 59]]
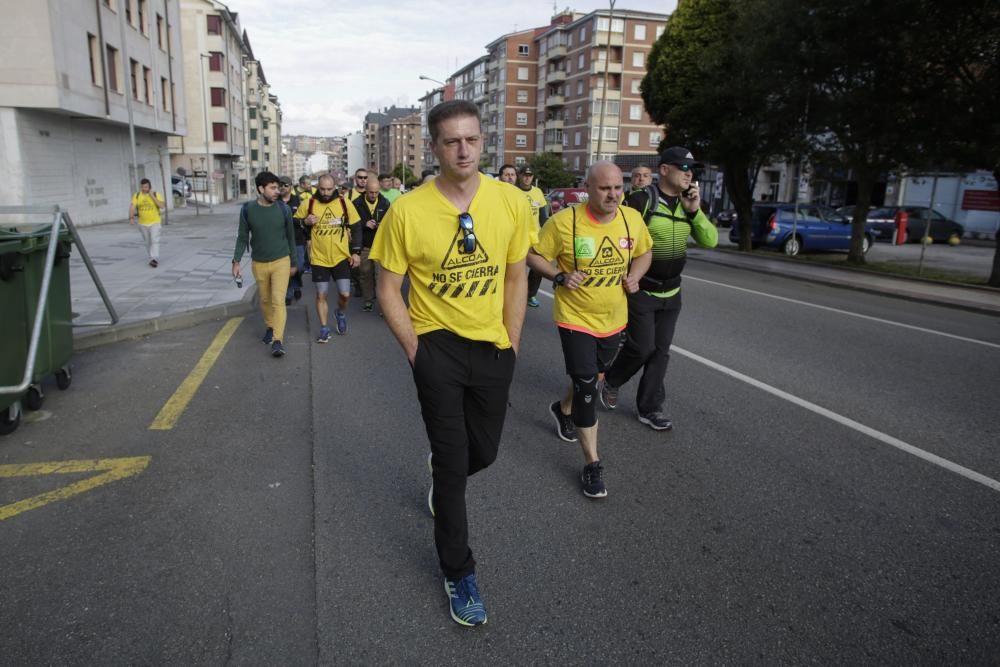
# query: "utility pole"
[[604, 94], [208, 155], [134, 181]]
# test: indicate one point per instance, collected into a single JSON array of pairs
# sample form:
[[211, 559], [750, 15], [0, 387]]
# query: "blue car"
[[816, 228]]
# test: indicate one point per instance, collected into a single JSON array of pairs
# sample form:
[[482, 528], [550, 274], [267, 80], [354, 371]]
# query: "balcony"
[[613, 93], [558, 51], [616, 39], [554, 147], [597, 67], [555, 76], [555, 101], [554, 124]]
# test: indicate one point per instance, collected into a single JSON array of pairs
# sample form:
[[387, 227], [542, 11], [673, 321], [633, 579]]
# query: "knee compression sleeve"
[[322, 288], [584, 400]]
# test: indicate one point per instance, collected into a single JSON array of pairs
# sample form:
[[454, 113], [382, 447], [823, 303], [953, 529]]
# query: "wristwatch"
[[560, 279]]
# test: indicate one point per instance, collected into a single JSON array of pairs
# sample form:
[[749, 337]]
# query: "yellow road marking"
[[173, 408], [113, 470]]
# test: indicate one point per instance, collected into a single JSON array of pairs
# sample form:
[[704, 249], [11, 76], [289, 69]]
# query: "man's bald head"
[[604, 188]]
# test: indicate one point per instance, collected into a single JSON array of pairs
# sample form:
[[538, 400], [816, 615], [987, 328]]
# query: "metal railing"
[[59, 219]]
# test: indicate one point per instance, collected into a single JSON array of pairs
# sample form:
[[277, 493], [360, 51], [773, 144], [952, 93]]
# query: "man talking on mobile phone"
[[672, 211]]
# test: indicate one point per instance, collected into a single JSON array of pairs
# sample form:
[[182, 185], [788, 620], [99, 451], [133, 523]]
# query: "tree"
[[405, 174], [710, 85], [550, 171]]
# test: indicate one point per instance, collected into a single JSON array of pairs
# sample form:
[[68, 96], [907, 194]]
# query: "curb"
[[966, 306], [122, 332]]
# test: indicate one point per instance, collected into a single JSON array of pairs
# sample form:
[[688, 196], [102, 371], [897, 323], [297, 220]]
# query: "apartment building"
[[354, 145], [215, 93], [374, 121], [509, 116], [263, 123], [72, 73], [589, 63], [428, 102], [400, 143]]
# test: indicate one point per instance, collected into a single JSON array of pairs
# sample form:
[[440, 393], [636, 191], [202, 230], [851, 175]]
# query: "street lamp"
[[427, 78], [204, 105]]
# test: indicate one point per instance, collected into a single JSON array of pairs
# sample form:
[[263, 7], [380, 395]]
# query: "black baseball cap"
[[676, 155], [526, 170]]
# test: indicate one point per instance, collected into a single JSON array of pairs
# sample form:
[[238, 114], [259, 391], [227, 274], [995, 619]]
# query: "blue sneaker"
[[277, 349], [324, 335], [341, 322], [268, 336], [464, 603], [533, 301]]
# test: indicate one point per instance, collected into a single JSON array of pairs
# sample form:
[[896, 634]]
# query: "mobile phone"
[[239, 281], [689, 192]]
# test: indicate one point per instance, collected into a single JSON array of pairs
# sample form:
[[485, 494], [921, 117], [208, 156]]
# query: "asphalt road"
[[283, 519]]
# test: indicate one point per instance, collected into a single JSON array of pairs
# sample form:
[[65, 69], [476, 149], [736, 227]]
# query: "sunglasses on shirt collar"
[[468, 242]]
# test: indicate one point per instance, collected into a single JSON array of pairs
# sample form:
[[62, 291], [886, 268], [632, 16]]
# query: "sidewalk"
[[193, 282]]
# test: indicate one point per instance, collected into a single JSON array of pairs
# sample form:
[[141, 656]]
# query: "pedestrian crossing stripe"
[[475, 288], [607, 255], [111, 470]]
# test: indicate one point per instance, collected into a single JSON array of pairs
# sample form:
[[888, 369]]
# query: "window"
[[142, 17], [218, 97], [577, 138], [214, 24], [252, 112], [523, 49], [579, 87], [610, 133], [165, 93], [147, 84], [522, 73], [133, 67], [520, 140], [267, 140], [218, 131], [576, 163], [520, 161], [633, 138], [569, 40], [635, 112], [128, 12], [580, 62], [579, 112], [583, 34], [265, 124], [254, 155], [611, 108], [522, 118], [659, 31], [267, 157], [95, 65], [638, 59], [159, 32], [654, 139], [639, 32], [522, 97], [635, 86], [253, 134], [214, 61], [618, 25]]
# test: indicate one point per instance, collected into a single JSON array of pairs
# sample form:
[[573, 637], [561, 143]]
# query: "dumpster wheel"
[[34, 398], [64, 377], [10, 419]]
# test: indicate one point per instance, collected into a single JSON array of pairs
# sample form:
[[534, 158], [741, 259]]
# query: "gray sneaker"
[[656, 421]]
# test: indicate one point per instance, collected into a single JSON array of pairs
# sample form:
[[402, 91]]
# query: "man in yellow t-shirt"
[[525, 183], [601, 251], [462, 240], [335, 246], [147, 205]]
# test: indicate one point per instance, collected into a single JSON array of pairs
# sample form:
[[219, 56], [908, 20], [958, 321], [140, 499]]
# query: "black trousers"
[[463, 387], [534, 282], [651, 324]]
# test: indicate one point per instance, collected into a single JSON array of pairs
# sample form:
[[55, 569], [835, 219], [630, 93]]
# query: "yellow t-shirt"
[[330, 236], [603, 252], [537, 200], [532, 229], [450, 289], [145, 205]]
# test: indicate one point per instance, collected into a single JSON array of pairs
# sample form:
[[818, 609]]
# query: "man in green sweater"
[[266, 224]]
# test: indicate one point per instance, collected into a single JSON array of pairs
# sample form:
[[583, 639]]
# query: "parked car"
[[882, 223], [560, 197], [817, 228], [181, 187], [726, 218]]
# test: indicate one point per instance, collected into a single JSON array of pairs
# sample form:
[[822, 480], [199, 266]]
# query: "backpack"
[[343, 207]]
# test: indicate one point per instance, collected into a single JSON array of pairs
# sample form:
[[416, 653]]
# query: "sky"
[[330, 62]]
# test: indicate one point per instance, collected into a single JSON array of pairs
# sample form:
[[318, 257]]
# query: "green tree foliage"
[[405, 174], [550, 171]]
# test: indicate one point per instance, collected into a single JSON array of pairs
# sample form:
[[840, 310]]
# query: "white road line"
[[934, 459], [847, 312]]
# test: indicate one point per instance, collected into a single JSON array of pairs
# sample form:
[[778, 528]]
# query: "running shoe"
[[464, 603], [154, 263], [268, 336], [324, 335], [564, 424], [368, 307], [297, 294], [430, 494], [533, 301], [592, 480], [277, 349], [609, 396], [341, 322], [656, 421]]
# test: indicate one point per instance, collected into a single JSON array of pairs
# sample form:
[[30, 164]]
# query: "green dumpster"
[[55, 345], [13, 332]]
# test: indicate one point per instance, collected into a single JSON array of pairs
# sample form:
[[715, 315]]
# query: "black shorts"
[[588, 355], [323, 274]]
